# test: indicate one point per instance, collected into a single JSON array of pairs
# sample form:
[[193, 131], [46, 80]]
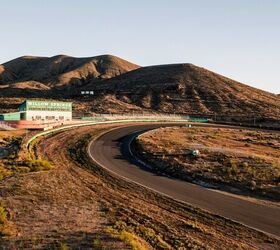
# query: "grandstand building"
[[32, 110]]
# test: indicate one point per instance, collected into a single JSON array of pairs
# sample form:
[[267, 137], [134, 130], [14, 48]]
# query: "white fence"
[[137, 116]]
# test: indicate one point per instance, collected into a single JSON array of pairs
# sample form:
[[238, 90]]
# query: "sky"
[[239, 38]]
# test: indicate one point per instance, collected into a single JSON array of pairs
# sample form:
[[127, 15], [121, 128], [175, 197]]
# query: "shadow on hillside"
[[56, 240]]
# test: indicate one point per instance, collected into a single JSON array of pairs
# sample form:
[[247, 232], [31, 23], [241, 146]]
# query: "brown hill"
[[121, 86], [25, 85], [63, 71], [186, 88]]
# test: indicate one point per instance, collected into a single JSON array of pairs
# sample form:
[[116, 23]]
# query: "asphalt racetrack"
[[111, 151]]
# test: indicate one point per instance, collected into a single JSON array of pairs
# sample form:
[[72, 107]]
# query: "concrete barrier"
[[91, 124]]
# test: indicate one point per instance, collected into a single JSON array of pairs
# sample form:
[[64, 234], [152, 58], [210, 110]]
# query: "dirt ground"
[[81, 206], [243, 159]]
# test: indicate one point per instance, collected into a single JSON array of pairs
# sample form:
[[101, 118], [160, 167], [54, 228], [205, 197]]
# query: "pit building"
[[32, 110], [44, 111]]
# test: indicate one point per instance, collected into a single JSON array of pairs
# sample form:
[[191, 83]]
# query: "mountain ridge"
[[121, 86], [186, 88], [61, 70]]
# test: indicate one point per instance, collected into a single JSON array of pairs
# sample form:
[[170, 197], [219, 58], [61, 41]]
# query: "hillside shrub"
[[38, 165], [3, 214], [7, 228]]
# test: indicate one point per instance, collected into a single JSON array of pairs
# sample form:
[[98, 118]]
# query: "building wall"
[[46, 106], [46, 115], [10, 116]]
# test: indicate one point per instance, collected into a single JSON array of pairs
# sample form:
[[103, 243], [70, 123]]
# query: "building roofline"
[[35, 100], [10, 113]]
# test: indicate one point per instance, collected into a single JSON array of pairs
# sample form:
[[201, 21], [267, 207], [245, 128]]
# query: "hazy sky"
[[236, 38]]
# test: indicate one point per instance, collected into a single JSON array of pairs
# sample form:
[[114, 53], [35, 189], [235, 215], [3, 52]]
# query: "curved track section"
[[111, 151]]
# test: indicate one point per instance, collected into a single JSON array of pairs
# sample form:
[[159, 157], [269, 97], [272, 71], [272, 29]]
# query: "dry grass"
[[74, 204], [16, 160], [246, 159], [7, 228], [132, 240], [12, 133]]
